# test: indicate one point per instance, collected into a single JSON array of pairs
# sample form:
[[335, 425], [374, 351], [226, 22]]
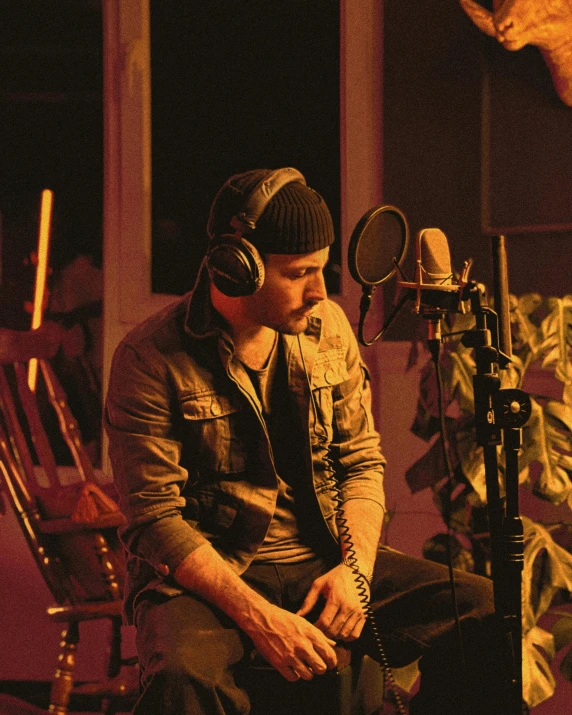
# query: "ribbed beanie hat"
[[296, 220]]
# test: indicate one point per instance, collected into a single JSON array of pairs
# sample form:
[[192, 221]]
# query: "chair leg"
[[62, 683], [115, 659]]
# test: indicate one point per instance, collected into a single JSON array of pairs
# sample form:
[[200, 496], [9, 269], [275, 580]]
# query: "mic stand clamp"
[[499, 417], [434, 333]]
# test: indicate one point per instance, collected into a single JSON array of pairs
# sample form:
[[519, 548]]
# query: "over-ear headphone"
[[234, 265]]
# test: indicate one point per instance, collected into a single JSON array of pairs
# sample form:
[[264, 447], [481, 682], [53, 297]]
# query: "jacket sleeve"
[[145, 460], [356, 442]]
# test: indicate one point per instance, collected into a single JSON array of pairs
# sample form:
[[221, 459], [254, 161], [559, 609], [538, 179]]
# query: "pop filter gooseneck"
[[376, 247]]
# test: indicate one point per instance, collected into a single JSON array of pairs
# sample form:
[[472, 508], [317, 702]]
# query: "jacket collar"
[[202, 320]]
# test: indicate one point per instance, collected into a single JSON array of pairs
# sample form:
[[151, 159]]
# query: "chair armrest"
[[68, 525], [85, 611]]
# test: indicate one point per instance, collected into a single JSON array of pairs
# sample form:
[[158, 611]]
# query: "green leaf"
[[557, 338], [566, 665], [460, 381], [406, 677], [542, 328], [552, 353], [538, 682], [562, 443], [557, 571], [553, 483], [560, 413], [526, 333], [473, 466], [562, 632], [512, 376]]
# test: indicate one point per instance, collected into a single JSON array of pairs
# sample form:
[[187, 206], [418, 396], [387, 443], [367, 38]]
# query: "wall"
[[476, 142]]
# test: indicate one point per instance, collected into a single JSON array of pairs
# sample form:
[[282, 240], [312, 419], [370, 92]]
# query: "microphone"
[[434, 256], [433, 288], [375, 252]]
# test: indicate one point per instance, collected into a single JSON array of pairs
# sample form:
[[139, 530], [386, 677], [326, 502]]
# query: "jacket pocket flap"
[[327, 374], [207, 407]]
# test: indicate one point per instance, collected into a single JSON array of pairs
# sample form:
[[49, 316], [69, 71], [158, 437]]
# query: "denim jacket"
[[189, 449]]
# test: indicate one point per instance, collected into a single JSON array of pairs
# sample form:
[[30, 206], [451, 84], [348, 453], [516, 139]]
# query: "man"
[[250, 473]]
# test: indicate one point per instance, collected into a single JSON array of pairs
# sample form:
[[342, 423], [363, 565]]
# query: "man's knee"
[[194, 681], [182, 633], [474, 595], [205, 658]]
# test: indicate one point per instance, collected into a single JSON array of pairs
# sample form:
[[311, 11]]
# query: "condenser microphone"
[[434, 288], [434, 257]]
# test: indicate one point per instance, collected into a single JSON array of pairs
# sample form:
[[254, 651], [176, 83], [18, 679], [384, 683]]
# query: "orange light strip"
[[41, 273]]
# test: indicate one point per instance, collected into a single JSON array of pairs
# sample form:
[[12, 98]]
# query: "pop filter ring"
[[365, 225]]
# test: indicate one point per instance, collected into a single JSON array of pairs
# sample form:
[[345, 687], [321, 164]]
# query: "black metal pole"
[[514, 553], [498, 415], [501, 293]]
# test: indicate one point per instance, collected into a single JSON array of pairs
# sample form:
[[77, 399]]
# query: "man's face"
[[293, 285]]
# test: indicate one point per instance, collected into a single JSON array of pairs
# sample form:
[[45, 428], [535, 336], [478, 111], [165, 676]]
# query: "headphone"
[[235, 266]]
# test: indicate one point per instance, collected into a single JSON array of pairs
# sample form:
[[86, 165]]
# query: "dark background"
[[236, 86], [245, 83], [440, 72], [51, 124]]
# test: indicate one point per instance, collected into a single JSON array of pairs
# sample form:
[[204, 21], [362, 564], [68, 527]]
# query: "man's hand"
[[343, 615], [291, 644]]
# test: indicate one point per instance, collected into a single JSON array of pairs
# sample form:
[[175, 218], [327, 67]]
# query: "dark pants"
[[190, 652]]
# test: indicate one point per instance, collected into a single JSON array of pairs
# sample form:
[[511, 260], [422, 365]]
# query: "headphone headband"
[[261, 195], [234, 264]]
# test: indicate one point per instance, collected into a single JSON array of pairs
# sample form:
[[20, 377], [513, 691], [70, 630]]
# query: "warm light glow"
[[41, 273]]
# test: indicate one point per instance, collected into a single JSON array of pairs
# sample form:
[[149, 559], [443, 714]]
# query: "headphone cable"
[[362, 585]]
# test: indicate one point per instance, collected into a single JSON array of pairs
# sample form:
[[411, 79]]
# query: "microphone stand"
[[499, 417]]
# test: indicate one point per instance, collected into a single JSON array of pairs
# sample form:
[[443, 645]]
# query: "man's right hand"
[[290, 643]]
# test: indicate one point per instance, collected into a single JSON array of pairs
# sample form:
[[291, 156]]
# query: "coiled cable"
[[350, 558]]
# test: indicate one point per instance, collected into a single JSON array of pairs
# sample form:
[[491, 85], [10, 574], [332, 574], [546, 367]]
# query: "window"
[[237, 85]]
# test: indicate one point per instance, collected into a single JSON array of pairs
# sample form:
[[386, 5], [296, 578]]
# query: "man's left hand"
[[343, 616]]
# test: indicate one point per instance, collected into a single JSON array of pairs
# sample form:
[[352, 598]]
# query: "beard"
[[291, 322], [294, 327]]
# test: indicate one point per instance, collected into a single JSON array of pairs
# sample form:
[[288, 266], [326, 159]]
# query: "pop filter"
[[377, 245]]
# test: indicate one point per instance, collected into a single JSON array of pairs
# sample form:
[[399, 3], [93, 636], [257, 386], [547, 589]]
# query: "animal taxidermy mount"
[[547, 24]]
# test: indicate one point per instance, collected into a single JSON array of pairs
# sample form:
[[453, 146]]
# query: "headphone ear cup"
[[235, 266]]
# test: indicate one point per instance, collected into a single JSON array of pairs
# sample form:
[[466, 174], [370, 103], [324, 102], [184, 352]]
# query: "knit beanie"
[[296, 220]]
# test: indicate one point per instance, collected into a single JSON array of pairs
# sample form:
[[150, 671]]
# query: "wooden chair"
[[71, 531], [67, 515]]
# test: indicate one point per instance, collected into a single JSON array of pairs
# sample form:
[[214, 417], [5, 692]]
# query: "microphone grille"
[[435, 257]]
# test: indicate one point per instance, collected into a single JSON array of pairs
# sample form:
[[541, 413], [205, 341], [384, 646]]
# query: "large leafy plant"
[[541, 365]]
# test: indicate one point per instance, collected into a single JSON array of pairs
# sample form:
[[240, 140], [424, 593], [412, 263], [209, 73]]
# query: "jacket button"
[[163, 569], [216, 409], [330, 376]]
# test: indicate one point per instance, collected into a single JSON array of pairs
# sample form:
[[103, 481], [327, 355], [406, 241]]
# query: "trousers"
[[190, 652]]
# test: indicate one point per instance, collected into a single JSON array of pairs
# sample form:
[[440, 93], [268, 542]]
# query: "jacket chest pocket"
[[212, 424], [329, 371]]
